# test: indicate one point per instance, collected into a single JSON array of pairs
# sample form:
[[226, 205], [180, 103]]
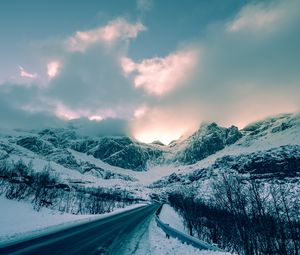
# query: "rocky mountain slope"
[[268, 151], [57, 145], [266, 148], [65, 171], [116, 151], [209, 139]]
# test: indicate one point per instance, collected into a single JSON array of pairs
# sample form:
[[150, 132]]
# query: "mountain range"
[[267, 149]]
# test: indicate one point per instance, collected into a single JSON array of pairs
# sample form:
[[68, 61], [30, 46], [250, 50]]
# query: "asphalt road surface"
[[103, 236]]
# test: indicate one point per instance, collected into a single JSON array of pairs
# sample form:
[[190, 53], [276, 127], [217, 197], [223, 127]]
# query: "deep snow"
[[169, 216], [18, 220], [154, 242]]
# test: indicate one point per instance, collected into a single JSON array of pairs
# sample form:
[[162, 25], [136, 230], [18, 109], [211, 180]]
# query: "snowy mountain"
[[67, 172], [267, 148], [119, 151], [116, 151], [209, 139]]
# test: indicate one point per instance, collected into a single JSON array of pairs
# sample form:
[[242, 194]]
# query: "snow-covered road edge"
[[19, 236], [172, 224]]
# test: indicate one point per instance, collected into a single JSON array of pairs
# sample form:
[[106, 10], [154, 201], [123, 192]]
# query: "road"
[[103, 236]]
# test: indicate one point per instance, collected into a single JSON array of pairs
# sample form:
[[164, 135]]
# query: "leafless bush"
[[18, 181], [243, 217]]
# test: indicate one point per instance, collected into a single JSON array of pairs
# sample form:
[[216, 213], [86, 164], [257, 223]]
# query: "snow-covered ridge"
[[267, 150], [114, 160]]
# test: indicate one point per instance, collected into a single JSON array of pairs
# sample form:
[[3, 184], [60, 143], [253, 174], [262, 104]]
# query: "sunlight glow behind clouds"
[[95, 117], [161, 75], [53, 68], [64, 112], [158, 123], [235, 72]]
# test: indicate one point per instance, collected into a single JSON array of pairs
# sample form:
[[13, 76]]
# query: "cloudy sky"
[[150, 69]]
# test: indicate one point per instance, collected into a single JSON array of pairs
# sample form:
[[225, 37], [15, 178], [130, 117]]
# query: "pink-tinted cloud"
[[95, 117], [24, 73], [63, 111], [53, 68], [159, 76], [234, 74], [114, 30]]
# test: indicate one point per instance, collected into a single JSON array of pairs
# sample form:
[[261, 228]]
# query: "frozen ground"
[[18, 220], [154, 173], [154, 242], [144, 177], [151, 240], [169, 216]]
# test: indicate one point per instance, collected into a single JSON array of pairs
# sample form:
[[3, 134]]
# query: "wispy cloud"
[[114, 30], [144, 5], [253, 17], [262, 16], [24, 73]]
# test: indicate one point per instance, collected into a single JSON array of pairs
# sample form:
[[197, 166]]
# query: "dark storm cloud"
[[93, 80], [106, 127], [15, 108], [19, 110]]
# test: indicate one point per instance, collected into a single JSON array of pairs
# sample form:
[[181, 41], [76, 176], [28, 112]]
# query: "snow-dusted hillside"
[[114, 160], [84, 169], [268, 150], [209, 139]]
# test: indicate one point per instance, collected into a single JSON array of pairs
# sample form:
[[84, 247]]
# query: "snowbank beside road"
[[155, 242], [169, 216], [18, 220]]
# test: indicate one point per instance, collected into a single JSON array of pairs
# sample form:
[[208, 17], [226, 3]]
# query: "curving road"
[[103, 236]]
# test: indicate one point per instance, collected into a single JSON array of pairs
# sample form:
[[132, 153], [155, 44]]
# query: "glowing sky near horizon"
[[154, 70]]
